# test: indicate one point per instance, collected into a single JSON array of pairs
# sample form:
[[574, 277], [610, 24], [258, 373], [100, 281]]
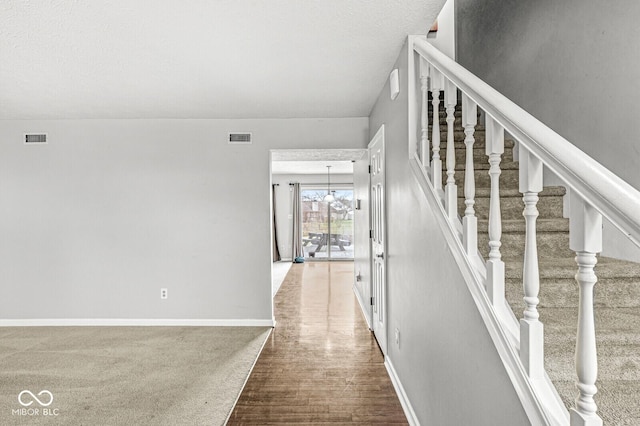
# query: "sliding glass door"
[[327, 227]]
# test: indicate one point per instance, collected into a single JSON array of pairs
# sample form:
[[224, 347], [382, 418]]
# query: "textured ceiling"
[[200, 58]]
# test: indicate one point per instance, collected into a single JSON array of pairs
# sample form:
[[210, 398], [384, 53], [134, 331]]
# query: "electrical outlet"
[[397, 334], [163, 293]]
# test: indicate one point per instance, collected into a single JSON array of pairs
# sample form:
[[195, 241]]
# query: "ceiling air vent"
[[35, 138], [240, 138]]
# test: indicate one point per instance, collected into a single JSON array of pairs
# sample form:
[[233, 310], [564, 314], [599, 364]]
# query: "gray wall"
[[97, 221], [446, 360], [573, 64]]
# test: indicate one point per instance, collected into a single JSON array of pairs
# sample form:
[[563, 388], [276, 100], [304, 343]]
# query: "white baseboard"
[[363, 307], [136, 322], [402, 396]]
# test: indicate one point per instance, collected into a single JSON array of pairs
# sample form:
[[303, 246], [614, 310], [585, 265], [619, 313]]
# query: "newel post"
[[451, 189], [495, 265], [424, 116], [585, 238], [469, 221], [531, 329], [435, 78]]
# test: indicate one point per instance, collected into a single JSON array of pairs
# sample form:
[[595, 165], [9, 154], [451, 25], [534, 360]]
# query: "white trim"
[[363, 306], [60, 322], [402, 395], [247, 378]]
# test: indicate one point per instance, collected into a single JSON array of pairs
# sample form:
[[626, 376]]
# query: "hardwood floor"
[[321, 364]]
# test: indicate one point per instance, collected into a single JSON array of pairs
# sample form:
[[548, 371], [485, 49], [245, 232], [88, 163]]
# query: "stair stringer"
[[539, 399]]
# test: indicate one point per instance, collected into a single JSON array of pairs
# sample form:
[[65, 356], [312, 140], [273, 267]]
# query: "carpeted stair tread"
[[614, 326], [457, 120], [458, 131], [550, 244], [618, 282], [566, 267], [504, 165], [478, 141], [511, 208], [508, 178], [485, 192], [479, 154], [517, 226]]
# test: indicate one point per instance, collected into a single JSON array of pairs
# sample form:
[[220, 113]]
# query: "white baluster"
[[469, 221], [531, 329], [451, 190], [495, 265], [586, 240], [424, 137], [436, 163]]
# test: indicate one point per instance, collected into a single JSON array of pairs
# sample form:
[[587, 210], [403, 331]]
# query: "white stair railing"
[[595, 193]]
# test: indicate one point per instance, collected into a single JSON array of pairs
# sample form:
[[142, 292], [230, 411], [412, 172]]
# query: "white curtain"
[[297, 250]]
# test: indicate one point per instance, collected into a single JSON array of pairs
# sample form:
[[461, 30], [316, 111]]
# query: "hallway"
[[321, 364]]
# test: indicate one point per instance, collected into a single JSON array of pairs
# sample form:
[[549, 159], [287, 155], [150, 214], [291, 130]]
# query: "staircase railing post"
[[531, 329], [435, 78], [495, 265], [424, 116], [469, 221], [585, 238], [451, 189]]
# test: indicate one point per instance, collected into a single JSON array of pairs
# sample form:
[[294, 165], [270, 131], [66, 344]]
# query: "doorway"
[[307, 167]]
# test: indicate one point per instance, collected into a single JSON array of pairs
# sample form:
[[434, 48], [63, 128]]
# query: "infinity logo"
[[42, 392]]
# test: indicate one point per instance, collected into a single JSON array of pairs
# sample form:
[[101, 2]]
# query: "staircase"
[[617, 292]]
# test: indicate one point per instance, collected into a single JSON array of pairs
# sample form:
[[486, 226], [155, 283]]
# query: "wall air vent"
[[35, 138], [240, 138]]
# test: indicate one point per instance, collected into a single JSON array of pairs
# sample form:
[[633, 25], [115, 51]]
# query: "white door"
[[378, 239]]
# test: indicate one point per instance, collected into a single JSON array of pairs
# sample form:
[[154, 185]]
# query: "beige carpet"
[[124, 375]]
